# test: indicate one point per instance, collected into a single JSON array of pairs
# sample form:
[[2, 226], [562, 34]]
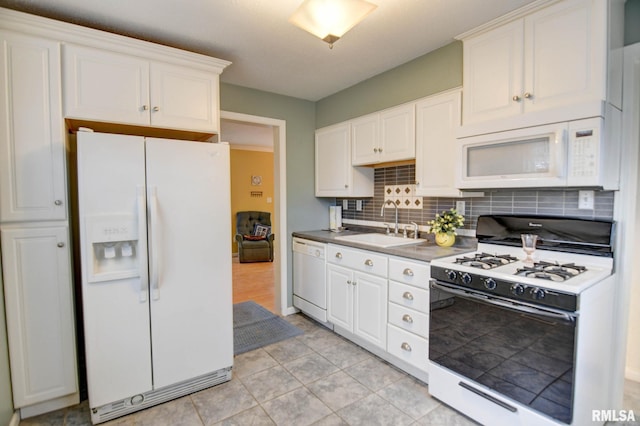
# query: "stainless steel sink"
[[380, 240]]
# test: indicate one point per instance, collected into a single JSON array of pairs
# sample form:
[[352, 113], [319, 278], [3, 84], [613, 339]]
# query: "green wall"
[[428, 74], [304, 210], [631, 22]]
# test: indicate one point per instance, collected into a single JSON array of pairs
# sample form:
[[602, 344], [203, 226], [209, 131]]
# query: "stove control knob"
[[538, 293], [490, 284], [466, 278], [452, 275], [517, 289]]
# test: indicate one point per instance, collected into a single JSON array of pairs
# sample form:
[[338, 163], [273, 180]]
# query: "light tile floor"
[[317, 378]]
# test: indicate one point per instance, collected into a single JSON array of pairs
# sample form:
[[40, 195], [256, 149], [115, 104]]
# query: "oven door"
[[521, 352]]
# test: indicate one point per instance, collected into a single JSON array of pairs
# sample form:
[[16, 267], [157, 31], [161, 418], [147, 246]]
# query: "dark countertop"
[[425, 251]]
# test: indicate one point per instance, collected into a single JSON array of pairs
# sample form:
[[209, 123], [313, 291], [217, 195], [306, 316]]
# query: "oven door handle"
[[503, 303]]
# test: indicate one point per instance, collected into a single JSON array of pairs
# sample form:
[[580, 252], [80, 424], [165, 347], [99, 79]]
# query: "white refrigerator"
[[155, 227]]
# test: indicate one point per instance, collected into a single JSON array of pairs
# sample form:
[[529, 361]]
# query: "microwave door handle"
[[505, 304]]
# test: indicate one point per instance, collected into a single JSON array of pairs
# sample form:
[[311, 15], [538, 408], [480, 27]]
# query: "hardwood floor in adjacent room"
[[254, 281]]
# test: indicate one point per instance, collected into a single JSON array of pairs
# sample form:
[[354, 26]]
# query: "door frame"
[[280, 258]]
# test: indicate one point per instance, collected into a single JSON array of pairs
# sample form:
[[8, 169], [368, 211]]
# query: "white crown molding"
[[75, 34], [511, 16]]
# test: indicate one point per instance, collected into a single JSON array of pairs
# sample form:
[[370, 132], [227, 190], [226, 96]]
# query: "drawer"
[[409, 296], [408, 347], [359, 260], [409, 272], [409, 320]]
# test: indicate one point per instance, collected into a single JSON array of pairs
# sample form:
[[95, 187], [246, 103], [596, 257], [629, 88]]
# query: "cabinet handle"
[[58, 202], [516, 98], [380, 150], [368, 262], [405, 347], [407, 318], [145, 107], [60, 244], [349, 282], [407, 295], [338, 255], [156, 108], [408, 272], [346, 186], [528, 95], [375, 149]]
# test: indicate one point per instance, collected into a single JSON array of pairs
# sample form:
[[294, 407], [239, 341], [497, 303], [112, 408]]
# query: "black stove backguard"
[[558, 233]]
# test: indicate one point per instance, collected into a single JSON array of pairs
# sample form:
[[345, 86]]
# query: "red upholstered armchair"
[[254, 237]]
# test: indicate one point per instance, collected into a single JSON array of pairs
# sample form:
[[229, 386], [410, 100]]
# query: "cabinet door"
[[493, 73], [398, 133], [370, 308], [39, 308], [333, 161], [105, 86], [340, 296], [32, 153], [184, 98], [365, 140], [564, 58], [437, 118]]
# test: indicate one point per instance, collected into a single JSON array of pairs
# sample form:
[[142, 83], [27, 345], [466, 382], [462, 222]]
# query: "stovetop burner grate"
[[551, 271], [485, 260]]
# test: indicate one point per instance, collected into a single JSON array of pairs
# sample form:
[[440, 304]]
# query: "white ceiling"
[[267, 52]]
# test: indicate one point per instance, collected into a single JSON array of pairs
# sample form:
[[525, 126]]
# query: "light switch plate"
[[460, 207], [345, 204], [359, 205]]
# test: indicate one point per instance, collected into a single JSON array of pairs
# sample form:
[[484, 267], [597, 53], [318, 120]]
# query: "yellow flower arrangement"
[[447, 222]]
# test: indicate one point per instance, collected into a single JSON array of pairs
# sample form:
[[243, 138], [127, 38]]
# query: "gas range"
[[514, 340], [553, 280]]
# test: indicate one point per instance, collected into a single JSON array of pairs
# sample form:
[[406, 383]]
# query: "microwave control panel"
[[584, 152]]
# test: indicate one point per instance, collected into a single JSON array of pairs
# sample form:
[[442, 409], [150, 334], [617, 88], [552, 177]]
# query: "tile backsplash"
[[398, 183]]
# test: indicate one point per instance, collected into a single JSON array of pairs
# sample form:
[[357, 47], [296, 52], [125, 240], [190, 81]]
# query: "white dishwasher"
[[309, 271]]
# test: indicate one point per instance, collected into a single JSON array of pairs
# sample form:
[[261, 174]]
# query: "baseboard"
[[289, 310], [15, 419], [633, 375]]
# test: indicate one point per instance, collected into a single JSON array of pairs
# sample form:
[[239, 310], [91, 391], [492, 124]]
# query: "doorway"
[[261, 128]]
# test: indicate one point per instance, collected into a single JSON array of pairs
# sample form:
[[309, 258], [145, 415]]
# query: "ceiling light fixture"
[[330, 19]]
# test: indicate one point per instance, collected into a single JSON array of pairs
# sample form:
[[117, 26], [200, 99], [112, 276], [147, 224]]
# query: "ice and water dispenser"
[[113, 247]]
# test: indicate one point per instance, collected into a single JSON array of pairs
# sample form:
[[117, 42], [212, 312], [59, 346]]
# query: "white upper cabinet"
[[32, 153], [437, 120], [114, 87], [334, 173], [548, 65], [384, 136]]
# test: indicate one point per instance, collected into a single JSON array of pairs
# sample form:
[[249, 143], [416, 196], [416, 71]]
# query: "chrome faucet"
[[382, 214]]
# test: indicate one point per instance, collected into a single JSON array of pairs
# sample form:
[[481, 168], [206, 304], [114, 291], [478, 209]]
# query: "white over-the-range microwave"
[[576, 153]]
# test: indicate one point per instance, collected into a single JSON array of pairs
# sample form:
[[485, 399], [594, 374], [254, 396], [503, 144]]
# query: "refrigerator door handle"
[[153, 220], [142, 235]]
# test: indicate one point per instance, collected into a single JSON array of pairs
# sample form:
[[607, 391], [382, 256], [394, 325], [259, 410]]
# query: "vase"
[[445, 240]]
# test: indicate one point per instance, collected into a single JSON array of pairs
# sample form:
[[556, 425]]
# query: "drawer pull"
[[405, 347], [338, 255], [407, 318], [408, 272], [368, 262], [60, 244], [407, 295]]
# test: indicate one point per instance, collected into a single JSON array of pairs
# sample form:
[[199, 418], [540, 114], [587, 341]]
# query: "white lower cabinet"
[[384, 300], [357, 300], [409, 311], [40, 315]]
